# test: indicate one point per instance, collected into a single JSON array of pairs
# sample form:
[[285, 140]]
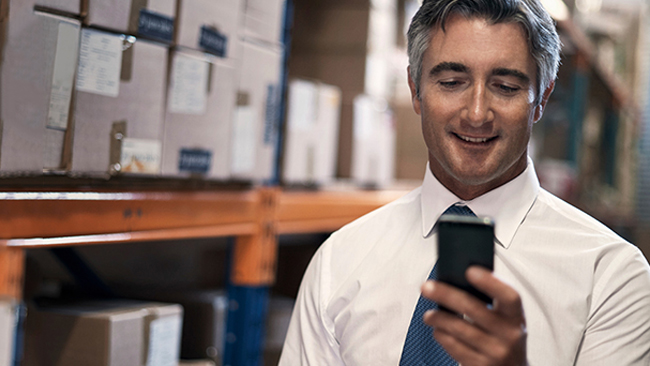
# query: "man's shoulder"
[[398, 212], [555, 213], [362, 234]]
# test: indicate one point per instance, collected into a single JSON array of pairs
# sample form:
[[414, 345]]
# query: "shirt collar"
[[507, 205]]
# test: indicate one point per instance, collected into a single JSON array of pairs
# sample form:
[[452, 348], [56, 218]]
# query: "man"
[[566, 290]]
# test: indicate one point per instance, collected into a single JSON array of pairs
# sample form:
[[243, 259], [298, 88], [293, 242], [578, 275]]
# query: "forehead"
[[476, 43]]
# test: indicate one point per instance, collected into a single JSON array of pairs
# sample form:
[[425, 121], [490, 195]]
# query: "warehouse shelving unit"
[[254, 217]]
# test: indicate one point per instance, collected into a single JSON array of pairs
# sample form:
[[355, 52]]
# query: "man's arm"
[[618, 327], [308, 341], [484, 336]]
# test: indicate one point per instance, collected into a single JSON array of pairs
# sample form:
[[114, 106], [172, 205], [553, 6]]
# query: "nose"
[[478, 109]]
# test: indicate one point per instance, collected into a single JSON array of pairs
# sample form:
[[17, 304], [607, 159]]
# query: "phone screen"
[[464, 241]]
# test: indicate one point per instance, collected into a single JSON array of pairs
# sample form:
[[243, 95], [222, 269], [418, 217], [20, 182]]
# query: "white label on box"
[[65, 64], [303, 105], [164, 341], [140, 156], [7, 329], [365, 114], [100, 63], [244, 140], [189, 85]]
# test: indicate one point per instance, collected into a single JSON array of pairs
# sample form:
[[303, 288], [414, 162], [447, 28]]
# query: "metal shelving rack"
[[254, 217]]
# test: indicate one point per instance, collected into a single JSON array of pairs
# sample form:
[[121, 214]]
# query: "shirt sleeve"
[[618, 329], [310, 341]]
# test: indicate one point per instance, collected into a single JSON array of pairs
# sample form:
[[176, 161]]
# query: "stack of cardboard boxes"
[[170, 88], [8, 323], [348, 44], [311, 133], [104, 333]]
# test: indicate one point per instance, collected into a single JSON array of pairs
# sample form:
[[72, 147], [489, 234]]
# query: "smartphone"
[[464, 241]]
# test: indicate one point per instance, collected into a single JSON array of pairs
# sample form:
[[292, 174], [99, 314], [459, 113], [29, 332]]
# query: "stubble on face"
[[477, 104]]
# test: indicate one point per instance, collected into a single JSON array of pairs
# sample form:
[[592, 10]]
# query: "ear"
[[414, 95], [539, 109]]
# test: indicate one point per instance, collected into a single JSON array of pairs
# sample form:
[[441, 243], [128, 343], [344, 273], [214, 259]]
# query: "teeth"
[[471, 139]]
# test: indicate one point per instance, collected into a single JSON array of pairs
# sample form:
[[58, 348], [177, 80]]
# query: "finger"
[[506, 300], [455, 299], [463, 353], [465, 335]]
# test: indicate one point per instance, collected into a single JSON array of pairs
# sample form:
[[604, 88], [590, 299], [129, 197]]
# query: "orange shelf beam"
[[51, 217], [323, 211]]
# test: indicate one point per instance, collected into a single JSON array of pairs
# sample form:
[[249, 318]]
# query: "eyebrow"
[[448, 66], [458, 67], [511, 72]]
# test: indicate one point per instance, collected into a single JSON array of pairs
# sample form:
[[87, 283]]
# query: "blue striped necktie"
[[420, 348]]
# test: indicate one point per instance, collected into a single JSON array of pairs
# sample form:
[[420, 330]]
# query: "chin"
[[475, 178]]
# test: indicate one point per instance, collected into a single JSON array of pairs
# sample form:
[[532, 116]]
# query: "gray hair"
[[543, 40]]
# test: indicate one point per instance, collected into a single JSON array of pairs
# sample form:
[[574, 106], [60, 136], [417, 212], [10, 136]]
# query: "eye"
[[505, 89], [449, 84]]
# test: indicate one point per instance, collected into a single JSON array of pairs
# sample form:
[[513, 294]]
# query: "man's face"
[[477, 95]]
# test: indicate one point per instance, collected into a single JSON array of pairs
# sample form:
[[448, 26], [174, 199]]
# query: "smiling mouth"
[[475, 140]]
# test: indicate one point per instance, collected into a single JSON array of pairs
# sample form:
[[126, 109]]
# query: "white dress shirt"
[[585, 290]]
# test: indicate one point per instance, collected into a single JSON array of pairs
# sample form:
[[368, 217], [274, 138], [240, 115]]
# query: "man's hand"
[[483, 336]]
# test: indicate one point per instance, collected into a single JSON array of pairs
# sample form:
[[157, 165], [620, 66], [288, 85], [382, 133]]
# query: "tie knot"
[[460, 210]]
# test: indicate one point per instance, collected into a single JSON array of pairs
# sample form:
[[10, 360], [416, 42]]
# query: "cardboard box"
[[7, 331], [277, 323], [209, 25], [152, 19], [411, 153], [373, 148], [257, 114], [332, 28], [349, 44], [264, 20], [38, 60], [68, 6], [311, 133], [204, 322], [200, 103], [104, 333], [196, 363], [119, 110]]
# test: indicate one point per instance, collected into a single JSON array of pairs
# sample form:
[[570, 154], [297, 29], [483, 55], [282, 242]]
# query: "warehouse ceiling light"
[[557, 9]]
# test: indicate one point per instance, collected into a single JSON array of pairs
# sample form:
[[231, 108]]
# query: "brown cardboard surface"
[[259, 76], [222, 15], [102, 333], [140, 103], [411, 151], [344, 161], [25, 85], [74, 337], [68, 6], [330, 28], [204, 320], [263, 20], [344, 69], [209, 131], [116, 15]]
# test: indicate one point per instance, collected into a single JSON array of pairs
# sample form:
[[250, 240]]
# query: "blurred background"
[[298, 96]]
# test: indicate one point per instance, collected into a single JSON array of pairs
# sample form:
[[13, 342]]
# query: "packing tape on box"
[[118, 133], [209, 83], [134, 14], [128, 47], [243, 99]]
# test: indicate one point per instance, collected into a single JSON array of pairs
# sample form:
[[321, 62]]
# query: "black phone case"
[[464, 241]]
